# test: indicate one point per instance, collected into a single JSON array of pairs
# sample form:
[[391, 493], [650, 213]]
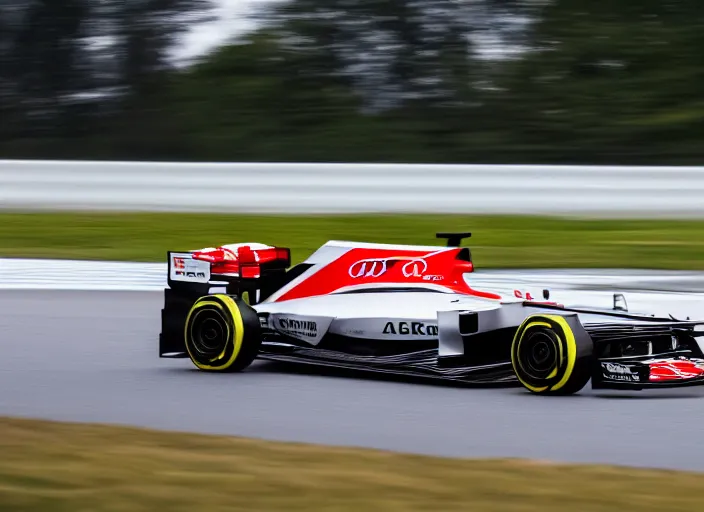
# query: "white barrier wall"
[[340, 188]]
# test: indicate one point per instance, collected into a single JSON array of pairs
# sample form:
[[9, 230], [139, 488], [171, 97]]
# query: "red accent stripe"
[[362, 266]]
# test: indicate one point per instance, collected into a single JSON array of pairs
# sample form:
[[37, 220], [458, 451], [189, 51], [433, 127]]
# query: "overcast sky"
[[232, 20]]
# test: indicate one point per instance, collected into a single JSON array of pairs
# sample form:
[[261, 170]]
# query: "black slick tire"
[[222, 333], [552, 354]]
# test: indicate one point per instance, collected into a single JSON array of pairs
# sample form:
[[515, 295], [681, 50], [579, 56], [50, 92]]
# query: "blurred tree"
[[43, 64], [610, 82], [71, 66], [409, 64], [395, 51], [252, 101], [358, 80], [143, 33]]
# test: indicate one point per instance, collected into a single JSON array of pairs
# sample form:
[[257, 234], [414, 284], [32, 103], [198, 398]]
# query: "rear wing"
[[182, 269], [255, 269], [259, 271]]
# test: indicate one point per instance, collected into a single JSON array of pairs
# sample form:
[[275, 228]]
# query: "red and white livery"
[[409, 309]]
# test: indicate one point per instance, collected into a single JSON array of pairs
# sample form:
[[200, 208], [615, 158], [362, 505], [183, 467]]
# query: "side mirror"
[[620, 302]]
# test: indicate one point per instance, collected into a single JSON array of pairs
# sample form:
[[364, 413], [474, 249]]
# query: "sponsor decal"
[[367, 268], [188, 268], [433, 278], [184, 268], [519, 295], [413, 328], [376, 267], [622, 372], [414, 268], [304, 328]]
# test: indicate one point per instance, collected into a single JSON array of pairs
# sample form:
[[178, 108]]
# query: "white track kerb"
[[680, 293], [48, 274], [40, 274]]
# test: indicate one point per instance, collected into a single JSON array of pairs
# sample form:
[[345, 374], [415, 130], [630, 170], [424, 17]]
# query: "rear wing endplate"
[[182, 268]]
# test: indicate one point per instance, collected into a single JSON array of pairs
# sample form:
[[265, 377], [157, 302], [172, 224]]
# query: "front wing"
[[662, 355]]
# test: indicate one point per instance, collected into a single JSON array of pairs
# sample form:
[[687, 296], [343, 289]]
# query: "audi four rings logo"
[[367, 268], [376, 267], [412, 268]]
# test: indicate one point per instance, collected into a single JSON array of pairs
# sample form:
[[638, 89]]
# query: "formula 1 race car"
[[409, 310]]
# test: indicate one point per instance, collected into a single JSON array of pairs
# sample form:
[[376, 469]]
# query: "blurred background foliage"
[[554, 81]]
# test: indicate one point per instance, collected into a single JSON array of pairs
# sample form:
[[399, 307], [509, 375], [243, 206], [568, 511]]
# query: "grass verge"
[[510, 242], [52, 467]]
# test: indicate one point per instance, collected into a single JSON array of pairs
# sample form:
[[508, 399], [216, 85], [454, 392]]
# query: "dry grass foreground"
[[49, 467]]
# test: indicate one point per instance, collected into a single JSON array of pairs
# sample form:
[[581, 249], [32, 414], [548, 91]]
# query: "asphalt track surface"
[[92, 356]]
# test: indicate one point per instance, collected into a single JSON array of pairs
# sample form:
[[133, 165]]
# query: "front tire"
[[222, 334], [552, 354]]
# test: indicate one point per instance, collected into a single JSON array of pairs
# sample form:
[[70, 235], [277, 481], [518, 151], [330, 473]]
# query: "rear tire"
[[552, 354], [222, 334]]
